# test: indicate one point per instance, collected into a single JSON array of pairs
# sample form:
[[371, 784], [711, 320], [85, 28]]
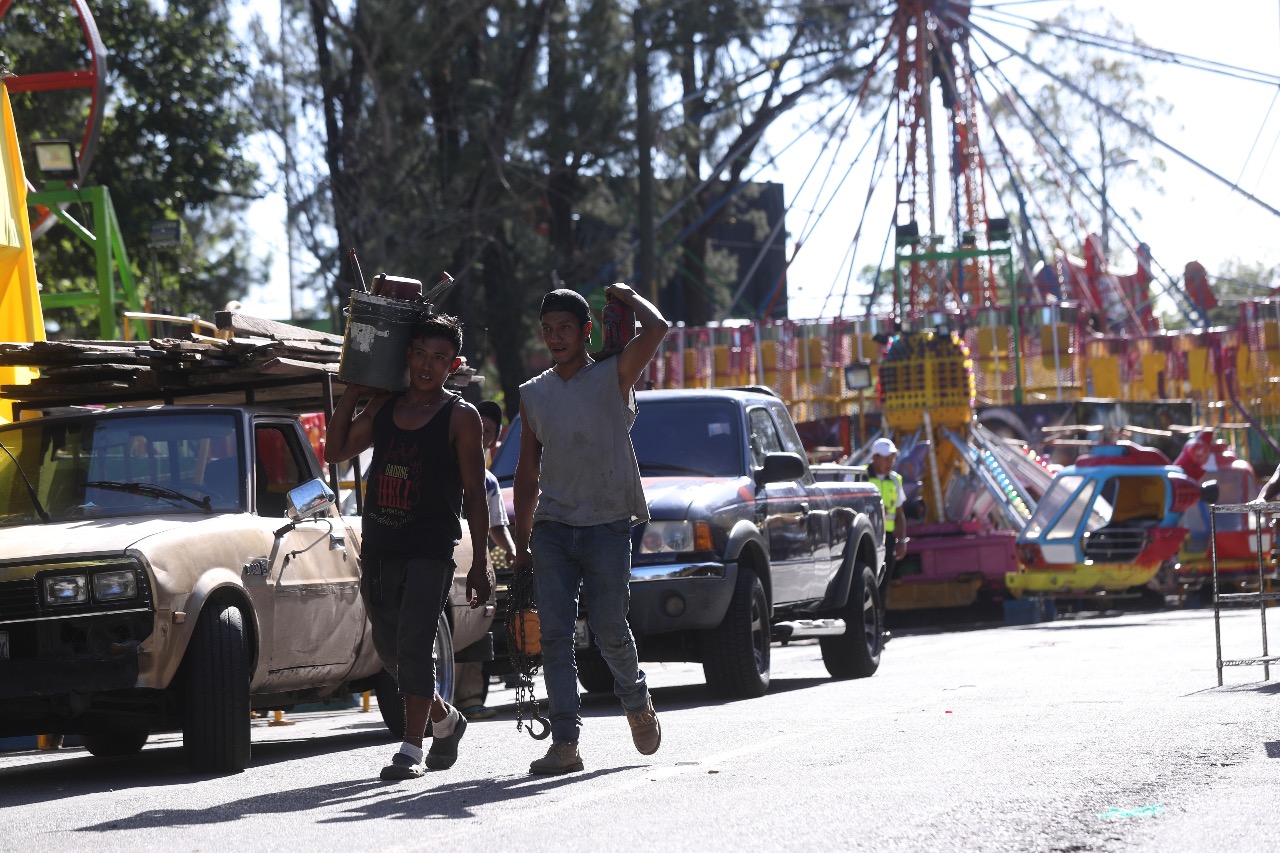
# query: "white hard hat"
[[883, 447]]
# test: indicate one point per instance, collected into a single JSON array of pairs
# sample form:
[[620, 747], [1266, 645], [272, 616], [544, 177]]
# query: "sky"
[[1214, 119]]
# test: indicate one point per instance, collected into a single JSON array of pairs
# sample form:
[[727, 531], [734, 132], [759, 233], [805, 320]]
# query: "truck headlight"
[[66, 589], [115, 585], [670, 537]]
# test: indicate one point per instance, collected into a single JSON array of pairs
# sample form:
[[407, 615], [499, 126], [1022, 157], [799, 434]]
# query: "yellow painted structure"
[[1090, 577], [20, 316]]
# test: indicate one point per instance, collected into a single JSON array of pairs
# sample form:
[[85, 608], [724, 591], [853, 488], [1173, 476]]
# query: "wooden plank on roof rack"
[[86, 372], [70, 392], [180, 345], [295, 367], [246, 324]]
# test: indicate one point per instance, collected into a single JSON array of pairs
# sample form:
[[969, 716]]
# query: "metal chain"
[[520, 600]]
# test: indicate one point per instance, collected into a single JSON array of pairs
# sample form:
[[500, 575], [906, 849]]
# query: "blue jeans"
[[597, 559]]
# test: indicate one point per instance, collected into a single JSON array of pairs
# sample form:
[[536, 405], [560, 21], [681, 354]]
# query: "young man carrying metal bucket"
[[427, 461]]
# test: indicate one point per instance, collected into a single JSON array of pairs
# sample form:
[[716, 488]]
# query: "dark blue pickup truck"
[[745, 544]]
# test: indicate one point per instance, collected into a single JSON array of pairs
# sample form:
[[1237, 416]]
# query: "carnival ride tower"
[[937, 108]]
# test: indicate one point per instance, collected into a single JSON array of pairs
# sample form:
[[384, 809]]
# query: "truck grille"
[[19, 600]]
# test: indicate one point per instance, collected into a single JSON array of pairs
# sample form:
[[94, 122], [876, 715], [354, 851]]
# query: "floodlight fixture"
[[56, 158], [857, 376]]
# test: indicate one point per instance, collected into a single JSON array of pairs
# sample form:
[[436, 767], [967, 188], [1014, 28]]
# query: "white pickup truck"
[[175, 567]]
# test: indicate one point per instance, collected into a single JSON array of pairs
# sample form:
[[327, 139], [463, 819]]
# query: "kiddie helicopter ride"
[[1105, 526]]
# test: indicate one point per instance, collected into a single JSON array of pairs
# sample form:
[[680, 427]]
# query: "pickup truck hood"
[[675, 497], [97, 536]]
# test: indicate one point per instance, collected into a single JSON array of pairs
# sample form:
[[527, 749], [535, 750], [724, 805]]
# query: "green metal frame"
[[1005, 254], [107, 242]]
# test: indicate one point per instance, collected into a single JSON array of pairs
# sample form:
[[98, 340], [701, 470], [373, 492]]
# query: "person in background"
[[427, 466], [470, 690], [577, 494], [884, 453]]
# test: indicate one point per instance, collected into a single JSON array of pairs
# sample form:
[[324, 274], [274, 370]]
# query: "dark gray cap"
[[564, 299]]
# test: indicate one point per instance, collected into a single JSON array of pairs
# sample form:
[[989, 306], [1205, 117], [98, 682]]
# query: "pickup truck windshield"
[[700, 438], [102, 467]]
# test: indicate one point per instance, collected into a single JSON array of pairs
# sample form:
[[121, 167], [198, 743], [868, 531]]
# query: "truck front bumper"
[[82, 675], [672, 597]]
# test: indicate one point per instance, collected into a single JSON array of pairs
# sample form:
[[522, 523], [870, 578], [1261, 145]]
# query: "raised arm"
[[349, 434], [639, 351], [524, 492]]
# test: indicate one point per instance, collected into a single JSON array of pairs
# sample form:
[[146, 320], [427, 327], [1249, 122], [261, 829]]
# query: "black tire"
[[736, 654], [856, 652], [113, 744], [593, 672], [215, 729], [390, 703]]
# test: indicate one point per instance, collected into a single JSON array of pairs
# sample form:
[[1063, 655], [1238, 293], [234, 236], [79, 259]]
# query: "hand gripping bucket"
[[379, 332]]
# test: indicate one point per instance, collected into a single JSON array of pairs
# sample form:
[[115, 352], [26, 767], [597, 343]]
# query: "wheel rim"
[[870, 620], [760, 633], [444, 671]]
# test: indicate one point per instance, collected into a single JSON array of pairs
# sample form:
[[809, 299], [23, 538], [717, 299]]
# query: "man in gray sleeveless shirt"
[[577, 493]]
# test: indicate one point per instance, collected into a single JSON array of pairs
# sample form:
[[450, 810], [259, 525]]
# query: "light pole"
[[1106, 215]]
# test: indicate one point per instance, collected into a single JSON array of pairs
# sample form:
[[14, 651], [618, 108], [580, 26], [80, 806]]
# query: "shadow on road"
[[362, 800], [684, 696], [77, 772]]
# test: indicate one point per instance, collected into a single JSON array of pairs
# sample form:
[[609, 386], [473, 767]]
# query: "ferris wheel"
[[949, 138], [84, 73]]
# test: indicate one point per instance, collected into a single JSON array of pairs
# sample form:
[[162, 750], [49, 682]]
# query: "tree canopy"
[[173, 143], [498, 139]]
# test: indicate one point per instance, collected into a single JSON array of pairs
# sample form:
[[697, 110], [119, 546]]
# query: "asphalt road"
[[1088, 733]]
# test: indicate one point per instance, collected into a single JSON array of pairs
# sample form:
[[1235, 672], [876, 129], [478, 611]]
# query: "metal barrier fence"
[[1261, 596]]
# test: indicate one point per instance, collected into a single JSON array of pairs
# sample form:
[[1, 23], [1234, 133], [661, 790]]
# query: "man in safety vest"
[[883, 454]]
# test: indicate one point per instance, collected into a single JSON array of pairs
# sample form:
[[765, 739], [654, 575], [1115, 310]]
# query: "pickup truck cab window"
[[787, 431], [104, 467], [764, 435], [702, 439], [279, 466]]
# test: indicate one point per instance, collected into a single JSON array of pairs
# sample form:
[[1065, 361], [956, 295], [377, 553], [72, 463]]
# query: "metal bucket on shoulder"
[[379, 331]]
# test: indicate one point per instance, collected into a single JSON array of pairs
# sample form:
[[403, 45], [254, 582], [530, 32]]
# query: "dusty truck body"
[[175, 567]]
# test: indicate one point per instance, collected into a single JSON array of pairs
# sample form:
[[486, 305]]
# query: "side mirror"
[[1209, 492], [780, 467], [313, 496], [915, 510]]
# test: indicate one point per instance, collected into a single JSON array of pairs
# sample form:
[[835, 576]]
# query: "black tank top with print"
[[413, 499]]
